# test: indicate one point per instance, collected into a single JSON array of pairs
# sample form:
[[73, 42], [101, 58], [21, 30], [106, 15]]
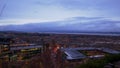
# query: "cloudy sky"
[[29, 11]]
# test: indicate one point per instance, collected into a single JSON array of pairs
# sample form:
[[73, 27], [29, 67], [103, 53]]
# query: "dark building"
[[5, 47]]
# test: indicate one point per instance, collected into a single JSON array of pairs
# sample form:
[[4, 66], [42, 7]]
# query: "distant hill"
[[77, 24]]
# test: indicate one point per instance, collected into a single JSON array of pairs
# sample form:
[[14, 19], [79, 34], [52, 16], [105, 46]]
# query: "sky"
[[37, 11]]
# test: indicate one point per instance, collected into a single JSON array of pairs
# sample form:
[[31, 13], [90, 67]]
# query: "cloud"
[[59, 9], [95, 4], [108, 8], [77, 23]]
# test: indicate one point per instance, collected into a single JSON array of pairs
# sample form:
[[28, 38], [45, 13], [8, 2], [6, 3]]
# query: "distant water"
[[80, 33], [102, 34]]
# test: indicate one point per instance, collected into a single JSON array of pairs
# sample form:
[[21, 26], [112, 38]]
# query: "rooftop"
[[107, 50], [73, 54], [25, 47]]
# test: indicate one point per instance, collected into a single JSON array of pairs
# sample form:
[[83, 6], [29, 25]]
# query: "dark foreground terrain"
[[51, 56]]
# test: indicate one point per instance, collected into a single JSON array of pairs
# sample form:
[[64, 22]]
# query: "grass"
[[99, 63]]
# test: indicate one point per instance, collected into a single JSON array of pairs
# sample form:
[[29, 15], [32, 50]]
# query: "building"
[[21, 52], [87, 52], [5, 48], [74, 55], [10, 51]]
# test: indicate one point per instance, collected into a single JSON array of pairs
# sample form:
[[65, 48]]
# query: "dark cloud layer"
[[94, 24]]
